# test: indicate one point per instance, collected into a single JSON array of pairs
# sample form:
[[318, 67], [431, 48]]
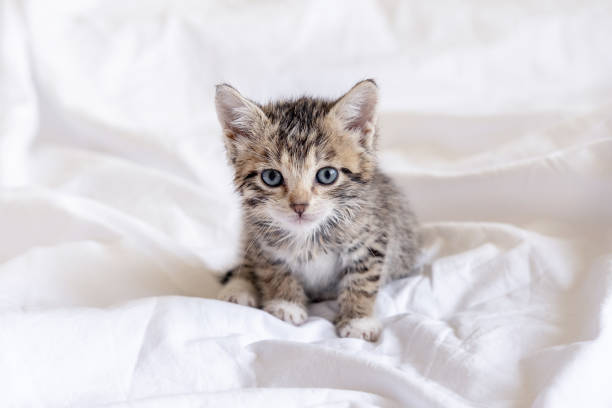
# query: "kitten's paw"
[[290, 312], [239, 291], [366, 328]]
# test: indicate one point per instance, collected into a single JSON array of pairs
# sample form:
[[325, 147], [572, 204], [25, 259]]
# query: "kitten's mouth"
[[303, 219], [293, 222], [297, 222]]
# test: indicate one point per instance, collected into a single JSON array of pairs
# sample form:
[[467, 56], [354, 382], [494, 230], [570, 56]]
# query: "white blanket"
[[117, 212]]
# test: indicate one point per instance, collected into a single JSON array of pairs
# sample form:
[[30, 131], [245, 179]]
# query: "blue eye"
[[271, 177], [327, 175]]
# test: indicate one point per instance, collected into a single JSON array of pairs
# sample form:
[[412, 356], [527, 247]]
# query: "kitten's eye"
[[272, 177], [327, 175]]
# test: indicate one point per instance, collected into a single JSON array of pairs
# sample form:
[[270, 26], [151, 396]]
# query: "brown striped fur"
[[355, 234]]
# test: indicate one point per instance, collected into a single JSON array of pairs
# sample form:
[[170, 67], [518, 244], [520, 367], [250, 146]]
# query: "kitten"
[[321, 221]]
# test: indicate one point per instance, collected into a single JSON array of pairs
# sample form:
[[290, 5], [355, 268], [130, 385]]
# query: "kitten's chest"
[[319, 276]]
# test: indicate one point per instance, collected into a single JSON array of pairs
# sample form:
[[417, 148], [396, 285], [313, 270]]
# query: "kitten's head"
[[301, 164]]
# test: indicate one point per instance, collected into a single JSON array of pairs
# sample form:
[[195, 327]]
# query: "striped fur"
[[356, 233]]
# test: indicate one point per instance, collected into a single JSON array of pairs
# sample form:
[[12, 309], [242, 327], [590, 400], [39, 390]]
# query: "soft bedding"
[[117, 213]]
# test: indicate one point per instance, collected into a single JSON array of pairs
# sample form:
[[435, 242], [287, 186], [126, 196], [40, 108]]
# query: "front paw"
[[366, 328], [239, 291], [289, 312]]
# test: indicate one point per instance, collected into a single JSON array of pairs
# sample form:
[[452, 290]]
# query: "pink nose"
[[299, 208]]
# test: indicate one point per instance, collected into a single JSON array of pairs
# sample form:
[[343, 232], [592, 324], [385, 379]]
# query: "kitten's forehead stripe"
[[301, 114], [298, 125]]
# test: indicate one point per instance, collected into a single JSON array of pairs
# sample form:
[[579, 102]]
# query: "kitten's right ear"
[[356, 111], [238, 116]]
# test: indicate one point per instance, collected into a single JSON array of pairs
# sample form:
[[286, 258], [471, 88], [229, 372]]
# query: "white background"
[[116, 204]]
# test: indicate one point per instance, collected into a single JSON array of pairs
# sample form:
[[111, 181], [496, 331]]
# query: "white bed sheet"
[[117, 212]]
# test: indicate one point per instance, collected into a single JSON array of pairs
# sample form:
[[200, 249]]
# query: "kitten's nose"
[[299, 208]]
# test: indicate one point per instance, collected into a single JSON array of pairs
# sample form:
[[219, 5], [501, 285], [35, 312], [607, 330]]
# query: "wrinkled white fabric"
[[117, 212]]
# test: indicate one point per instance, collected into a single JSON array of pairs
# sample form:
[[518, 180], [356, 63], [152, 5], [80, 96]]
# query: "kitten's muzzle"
[[299, 208]]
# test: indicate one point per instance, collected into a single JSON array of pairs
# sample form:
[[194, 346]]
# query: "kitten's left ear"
[[356, 110], [239, 117]]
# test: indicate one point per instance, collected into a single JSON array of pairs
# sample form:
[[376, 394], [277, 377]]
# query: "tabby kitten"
[[321, 220]]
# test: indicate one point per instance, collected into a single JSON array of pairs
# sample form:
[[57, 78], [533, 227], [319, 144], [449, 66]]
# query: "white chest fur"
[[319, 273]]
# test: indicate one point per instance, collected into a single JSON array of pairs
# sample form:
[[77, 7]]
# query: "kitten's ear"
[[356, 110], [238, 116]]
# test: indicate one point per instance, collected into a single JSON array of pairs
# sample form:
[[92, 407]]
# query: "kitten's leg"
[[238, 287], [358, 290], [282, 295]]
